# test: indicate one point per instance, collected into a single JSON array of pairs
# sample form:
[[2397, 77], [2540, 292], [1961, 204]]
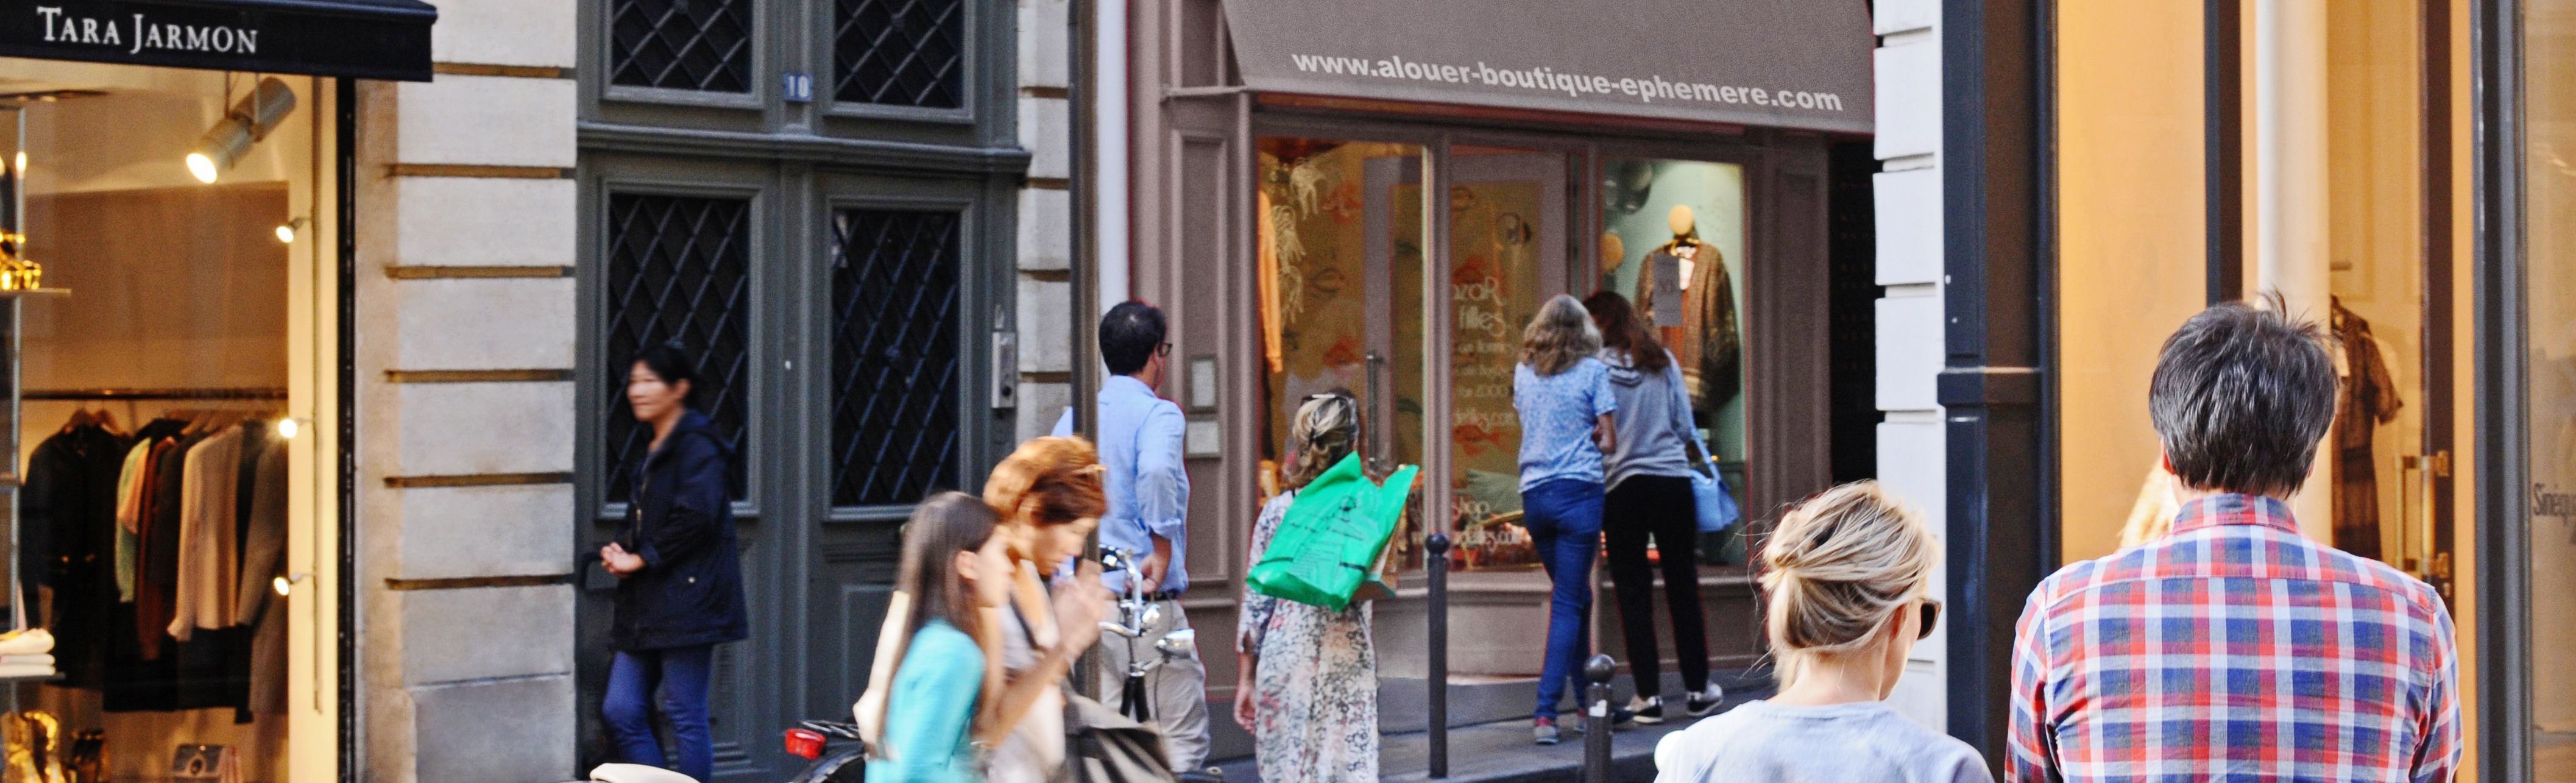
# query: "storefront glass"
[[2549, 296], [1673, 242], [154, 517], [1340, 280], [1507, 254]]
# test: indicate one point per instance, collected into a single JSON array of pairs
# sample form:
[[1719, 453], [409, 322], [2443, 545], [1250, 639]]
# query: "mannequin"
[[1710, 348]]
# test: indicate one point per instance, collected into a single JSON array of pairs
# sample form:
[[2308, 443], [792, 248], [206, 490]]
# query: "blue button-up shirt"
[[1139, 435]]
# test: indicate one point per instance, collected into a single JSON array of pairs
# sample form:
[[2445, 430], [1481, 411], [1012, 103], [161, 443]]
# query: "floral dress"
[[1315, 688]]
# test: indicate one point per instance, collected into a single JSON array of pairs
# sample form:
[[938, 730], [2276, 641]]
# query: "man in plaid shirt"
[[2232, 648]]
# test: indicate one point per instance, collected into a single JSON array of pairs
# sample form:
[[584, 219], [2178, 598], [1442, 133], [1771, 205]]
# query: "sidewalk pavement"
[[1501, 752]]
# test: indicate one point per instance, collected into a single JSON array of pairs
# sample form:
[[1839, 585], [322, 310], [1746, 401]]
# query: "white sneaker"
[[1704, 702], [1648, 709]]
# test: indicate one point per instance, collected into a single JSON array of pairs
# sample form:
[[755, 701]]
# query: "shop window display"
[[1673, 242], [153, 436]]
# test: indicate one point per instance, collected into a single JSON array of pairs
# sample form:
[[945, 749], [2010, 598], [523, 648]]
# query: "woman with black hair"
[[679, 590]]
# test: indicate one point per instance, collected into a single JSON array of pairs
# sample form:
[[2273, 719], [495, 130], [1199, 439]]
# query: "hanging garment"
[[68, 516], [209, 572], [157, 569], [129, 519], [2368, 398], [1712, 345], [259, 672]]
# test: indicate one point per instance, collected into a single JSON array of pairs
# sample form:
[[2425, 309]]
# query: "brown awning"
[[1773, 63]]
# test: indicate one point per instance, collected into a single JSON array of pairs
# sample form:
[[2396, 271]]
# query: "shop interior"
[[160, 536]]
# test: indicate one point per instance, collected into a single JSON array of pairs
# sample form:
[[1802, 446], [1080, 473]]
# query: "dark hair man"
[[2232, 646], [1139, 435]]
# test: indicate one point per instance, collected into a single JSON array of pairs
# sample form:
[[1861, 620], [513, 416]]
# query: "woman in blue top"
[[1563, 395], [958, 574]]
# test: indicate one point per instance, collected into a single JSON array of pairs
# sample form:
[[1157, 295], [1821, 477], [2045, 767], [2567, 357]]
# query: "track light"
[[248, 123], [286, 231]]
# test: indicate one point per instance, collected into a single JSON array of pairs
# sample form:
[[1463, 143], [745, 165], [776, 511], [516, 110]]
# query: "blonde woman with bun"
[[1849, 577], [1307, 688]]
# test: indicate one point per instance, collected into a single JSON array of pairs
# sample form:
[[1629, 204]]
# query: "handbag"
[[1334, 537], [1717, 509], [1102, 746]]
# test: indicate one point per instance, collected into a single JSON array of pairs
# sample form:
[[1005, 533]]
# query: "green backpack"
[[1328, 546]]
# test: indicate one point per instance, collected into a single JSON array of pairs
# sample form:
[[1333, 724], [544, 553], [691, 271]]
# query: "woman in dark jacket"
[[679, 591]]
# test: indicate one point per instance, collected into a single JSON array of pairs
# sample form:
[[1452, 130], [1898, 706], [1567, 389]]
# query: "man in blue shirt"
[[1139, 435]]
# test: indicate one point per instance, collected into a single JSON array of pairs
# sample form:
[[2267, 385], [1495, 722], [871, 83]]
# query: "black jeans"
[[1660, 508]]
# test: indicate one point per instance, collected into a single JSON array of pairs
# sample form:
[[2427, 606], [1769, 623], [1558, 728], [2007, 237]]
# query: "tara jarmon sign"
[[371, 39]]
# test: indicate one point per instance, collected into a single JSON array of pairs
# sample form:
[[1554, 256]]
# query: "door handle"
[[1375, 369], [2420, 556]]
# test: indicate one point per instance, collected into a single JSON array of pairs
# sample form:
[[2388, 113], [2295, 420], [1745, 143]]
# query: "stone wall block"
[[1046, 310], [518, 730], [487, 120], [485, 633], [1045, 59], [1045, 128], [450, 221], [1909, 226], [483, 428], [456, 532], [1040, 405], [506, 32], [509, 323], [1046, 229], [1909, 352], [1909, 99]]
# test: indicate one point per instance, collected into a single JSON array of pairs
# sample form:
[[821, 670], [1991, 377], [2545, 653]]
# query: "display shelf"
[[34, 293]]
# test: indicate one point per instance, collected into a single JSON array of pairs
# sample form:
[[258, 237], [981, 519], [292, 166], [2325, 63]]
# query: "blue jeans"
[[682, 674], [1564, 521]]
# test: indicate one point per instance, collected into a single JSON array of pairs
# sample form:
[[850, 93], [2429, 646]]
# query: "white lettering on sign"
[[145, 34]]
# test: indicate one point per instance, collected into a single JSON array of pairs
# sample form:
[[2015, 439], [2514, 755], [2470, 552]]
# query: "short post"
[[1596, 718], [1436, 570]]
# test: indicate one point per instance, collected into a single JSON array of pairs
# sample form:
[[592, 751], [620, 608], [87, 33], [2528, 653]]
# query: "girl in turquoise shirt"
[[955, 569]]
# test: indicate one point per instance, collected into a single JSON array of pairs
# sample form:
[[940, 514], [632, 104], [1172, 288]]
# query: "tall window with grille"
[[702, 45], [900, 52], [896, 332], [679, 270]]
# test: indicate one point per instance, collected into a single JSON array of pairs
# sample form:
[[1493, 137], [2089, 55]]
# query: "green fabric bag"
[[1329, 543]]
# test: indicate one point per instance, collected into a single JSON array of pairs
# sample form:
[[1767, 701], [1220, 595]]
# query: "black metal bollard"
[[1596, 718], [1436, 569]]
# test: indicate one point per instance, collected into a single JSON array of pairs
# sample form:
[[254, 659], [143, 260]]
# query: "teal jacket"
[[930, 713]]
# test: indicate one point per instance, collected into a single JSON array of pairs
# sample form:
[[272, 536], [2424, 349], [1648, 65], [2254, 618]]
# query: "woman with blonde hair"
[[1849, 577], [1562, 392], [1307, 688], [1049, 497]]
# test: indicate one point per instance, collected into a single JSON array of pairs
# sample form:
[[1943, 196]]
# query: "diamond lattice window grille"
[[681, 44], [679, 267], [900, 52], [895, 337]]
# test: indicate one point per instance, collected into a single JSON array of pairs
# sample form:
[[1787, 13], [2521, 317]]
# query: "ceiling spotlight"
[[286, 233], [250, 121]]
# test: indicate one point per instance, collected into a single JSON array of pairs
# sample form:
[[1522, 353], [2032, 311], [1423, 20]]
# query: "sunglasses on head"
[[1931, 618]]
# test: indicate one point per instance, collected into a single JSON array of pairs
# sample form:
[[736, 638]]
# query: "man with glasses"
[[1139, 435], [2232, 648]]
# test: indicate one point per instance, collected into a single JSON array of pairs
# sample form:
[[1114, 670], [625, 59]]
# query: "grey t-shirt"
[[1861, 741]]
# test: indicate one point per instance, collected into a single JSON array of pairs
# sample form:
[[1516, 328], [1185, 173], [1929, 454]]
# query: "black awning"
[[363, 39], [1778, 63]]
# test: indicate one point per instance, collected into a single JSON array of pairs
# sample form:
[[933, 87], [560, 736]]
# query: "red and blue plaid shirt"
[[2234, 649]]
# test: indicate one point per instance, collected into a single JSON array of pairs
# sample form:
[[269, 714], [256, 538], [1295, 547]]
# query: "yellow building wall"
[[2132, 249]]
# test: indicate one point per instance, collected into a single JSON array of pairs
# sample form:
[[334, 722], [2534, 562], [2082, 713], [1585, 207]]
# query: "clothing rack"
[[180, 393]]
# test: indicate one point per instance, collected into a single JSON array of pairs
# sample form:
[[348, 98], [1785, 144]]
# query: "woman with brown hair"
[[1650, 499]]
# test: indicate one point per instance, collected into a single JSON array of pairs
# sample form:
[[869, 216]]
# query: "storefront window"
[[1506, 255], [154, 512], [1673, 243], [1340, 253], [2549, 176]]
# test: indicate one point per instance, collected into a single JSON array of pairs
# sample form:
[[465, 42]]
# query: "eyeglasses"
[[1163, 350], [1931, 618]]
